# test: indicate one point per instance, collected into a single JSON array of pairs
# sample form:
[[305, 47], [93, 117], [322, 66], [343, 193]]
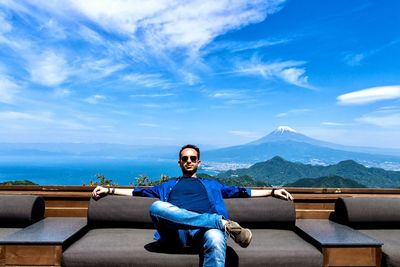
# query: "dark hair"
[[192, 147]]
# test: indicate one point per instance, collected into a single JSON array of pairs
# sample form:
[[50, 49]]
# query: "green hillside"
[[18, 182], [278, 171]]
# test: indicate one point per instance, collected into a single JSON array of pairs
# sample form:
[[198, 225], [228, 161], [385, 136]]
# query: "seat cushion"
[[276, 247], [135, 247], [391, 244], [123, 247]]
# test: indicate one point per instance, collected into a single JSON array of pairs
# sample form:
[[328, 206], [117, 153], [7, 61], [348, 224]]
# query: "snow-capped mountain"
[[294, 146], [283, 133]]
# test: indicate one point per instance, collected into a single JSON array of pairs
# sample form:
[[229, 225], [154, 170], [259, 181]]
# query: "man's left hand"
[[283, 194]]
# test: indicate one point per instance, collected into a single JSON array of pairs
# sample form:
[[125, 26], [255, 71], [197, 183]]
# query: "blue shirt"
[[216, 193], [190, 194]]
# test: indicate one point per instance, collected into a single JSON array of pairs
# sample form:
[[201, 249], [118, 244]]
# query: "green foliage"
[[102, 180], [18, 182], [144, 180]]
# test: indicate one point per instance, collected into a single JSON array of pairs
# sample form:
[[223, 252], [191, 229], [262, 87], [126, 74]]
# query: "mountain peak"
[[282, 129]]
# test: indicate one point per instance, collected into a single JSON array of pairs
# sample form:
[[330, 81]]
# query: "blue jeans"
[[187, 228]]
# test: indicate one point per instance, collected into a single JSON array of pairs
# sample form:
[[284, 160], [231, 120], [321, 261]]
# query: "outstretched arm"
[[280, 193], [101, 191]]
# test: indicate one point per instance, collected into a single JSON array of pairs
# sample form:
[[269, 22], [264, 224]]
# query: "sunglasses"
[[186, 158]]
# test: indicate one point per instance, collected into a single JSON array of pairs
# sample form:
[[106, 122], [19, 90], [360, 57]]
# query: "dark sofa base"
[[136, 247]]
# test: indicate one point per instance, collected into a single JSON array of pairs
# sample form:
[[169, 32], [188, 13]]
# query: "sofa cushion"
[[368, 212], [122, 247], [135, 247], [120, 212], [262, 212], [20, 210], [275, 247], [391, 244]]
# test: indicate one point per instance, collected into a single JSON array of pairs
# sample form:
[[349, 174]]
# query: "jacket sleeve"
[[235, 191], [153, 191]]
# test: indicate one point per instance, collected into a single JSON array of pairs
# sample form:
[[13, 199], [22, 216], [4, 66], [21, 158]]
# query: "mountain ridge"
[[278, 171]]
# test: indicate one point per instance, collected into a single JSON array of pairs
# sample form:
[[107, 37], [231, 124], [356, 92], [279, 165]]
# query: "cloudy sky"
[[206, 72]]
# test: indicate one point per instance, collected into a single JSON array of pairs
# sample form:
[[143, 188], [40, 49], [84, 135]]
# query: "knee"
[[214, 239], [156, 207]]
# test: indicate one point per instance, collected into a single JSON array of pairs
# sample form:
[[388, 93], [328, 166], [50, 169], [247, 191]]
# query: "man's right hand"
[[100, 191]]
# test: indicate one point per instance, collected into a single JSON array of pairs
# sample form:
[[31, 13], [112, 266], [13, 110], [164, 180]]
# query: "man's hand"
[[282, 193], [99, 192]]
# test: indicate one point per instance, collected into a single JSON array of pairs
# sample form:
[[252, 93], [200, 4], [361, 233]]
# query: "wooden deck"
[[311, 203]]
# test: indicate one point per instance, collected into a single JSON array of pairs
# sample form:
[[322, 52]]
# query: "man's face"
[[189, 162]]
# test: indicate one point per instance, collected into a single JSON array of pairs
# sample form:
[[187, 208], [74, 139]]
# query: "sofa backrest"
[[368, 212], [18, 211], [133, 212], [120, 212], [262, 212]]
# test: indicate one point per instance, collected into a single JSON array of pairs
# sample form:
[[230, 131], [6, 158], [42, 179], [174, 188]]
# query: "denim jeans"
[[185, 228]]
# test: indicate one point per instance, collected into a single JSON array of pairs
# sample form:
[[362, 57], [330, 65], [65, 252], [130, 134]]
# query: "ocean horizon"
[[81, 172]]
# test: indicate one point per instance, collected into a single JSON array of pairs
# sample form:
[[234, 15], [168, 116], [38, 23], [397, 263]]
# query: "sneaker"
[[240, 235]]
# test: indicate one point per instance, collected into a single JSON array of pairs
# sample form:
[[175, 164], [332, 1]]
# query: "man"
[[191, 210]]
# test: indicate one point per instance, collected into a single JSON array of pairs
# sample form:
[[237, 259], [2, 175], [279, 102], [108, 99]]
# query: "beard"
[[188, 173]]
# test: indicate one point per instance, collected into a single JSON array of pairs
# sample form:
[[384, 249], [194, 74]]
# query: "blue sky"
[[213, 73]]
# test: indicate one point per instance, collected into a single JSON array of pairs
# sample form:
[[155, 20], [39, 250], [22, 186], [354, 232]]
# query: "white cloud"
[[292, 112], [354, 59], [27, 121], [61, 92], [330, 123], [90, 35], [147, 80], [95, 99], [97, 69], [173, 21], [5, 26], [383, 119], [54, 29], [49, 68], [370, 95], [224, 95], [8, 90], [152, 95], [163, 23], [287, 71], [242, 46], [13, 115]]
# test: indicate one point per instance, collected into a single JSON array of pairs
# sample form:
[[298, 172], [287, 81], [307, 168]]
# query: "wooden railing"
[[310, 203]]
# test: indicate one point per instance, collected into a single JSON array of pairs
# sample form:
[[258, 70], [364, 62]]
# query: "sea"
[[81, 172]]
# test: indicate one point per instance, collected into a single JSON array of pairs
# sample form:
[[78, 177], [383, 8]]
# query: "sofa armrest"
[[328, 233], [41, 243], [340, 244]]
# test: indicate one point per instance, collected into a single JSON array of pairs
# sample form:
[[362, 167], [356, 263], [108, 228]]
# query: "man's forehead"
[[188, 151]]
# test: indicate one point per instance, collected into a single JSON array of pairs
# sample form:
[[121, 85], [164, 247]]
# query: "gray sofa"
[[19, 211], [121, 234], [376, 217]]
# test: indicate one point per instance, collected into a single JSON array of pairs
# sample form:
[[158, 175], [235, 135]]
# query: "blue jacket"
[[215, 190]]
